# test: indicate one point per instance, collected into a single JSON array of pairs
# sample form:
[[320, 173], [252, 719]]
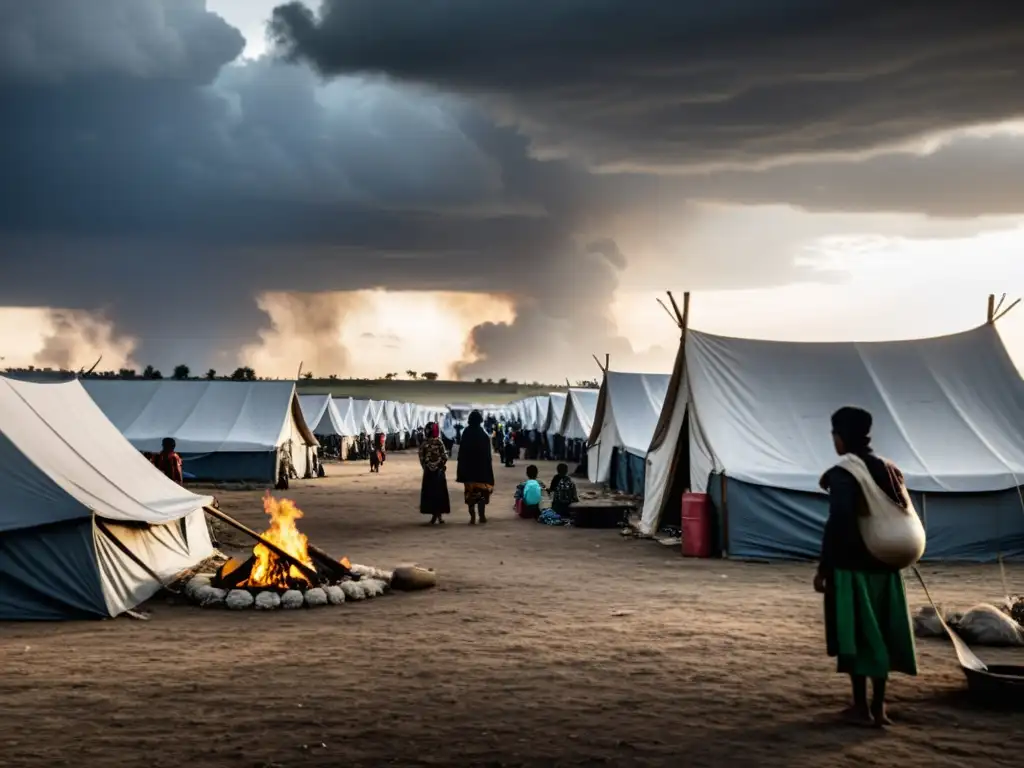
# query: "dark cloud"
[[144, 173], [654, 84], [968, 176]]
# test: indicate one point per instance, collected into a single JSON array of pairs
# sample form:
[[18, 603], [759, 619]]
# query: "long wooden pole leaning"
[[308, 572]]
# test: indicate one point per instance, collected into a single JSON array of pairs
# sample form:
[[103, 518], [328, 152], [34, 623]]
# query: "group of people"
[[867, 621], [473, 469], [530, 493]]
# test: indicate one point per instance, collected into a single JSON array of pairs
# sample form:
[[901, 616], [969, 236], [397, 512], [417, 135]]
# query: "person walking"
[[434, 488], [475, 469]]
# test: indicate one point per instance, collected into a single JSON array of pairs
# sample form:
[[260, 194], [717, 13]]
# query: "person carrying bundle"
[[871, 533]]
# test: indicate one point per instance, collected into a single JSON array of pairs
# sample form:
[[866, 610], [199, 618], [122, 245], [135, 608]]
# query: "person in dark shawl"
[[474, 469], [378, 453], [867, 622], [434, 488]]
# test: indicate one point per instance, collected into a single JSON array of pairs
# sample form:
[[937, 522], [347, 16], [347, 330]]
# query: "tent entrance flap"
[[679, 480]]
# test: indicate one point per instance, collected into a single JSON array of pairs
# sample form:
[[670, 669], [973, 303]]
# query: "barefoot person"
[[867, 622], [474, 469], [434, 488]]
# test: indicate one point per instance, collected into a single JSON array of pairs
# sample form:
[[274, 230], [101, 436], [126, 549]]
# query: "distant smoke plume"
[[77, 339], [305, 328], [562, 319]]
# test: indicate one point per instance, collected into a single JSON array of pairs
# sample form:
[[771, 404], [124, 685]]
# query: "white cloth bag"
[[892, 534]]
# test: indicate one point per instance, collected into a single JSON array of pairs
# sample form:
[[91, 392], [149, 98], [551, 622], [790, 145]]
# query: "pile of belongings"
[[983, 624], [550, 517]]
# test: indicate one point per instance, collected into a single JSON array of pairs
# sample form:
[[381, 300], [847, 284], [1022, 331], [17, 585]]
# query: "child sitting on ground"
[[563, 491], [532, 492]]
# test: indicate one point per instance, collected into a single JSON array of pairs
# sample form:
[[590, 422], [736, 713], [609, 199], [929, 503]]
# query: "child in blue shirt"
[[532, 493]]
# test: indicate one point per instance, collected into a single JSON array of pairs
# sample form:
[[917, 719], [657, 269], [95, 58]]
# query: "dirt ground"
[[541, 646]]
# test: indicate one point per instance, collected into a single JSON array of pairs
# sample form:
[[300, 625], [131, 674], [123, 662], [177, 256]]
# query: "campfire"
[[283, 559], [284, 569]]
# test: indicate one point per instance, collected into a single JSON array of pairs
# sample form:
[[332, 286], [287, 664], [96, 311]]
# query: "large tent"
[[748, 422], [225, 430], [578, 416], [85, 516], [628, 408]]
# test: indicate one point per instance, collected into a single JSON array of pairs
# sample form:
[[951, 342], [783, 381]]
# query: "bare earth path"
[[542, 646]]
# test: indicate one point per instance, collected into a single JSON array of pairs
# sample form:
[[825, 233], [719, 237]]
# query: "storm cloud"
[[151, 174], [667, 85]]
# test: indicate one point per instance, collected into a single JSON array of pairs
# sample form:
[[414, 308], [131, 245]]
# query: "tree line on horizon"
[[182, 372]]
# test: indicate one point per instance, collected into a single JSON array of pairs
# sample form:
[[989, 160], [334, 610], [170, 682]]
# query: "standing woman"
[[474, 469], [867, 621], [434, 488]]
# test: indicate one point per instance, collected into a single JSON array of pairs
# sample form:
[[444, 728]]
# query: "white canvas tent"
[[323, 416], [82, 508], [225, 430], [628, 408], [578, 416], [949, 411], [552, 420]]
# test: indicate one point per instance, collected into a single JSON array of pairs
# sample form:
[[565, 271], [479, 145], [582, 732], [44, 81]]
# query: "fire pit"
[[284, 570]]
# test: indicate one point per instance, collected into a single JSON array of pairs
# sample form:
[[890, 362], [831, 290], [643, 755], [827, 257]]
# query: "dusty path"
[[543, 646]]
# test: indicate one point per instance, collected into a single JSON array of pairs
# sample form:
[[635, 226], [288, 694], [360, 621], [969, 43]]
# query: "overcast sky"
[[514, 180]]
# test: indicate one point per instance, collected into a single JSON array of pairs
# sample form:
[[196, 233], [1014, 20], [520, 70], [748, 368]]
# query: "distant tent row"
[[88, 527], [348, 417], [748, 423], [560, 417]]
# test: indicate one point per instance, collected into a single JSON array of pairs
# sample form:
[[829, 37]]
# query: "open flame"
[[269, 570], [266, 569]]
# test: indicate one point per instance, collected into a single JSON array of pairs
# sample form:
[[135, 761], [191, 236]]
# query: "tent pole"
[[685, 319], [1003, 314], [725, 515], [991, 316], [607, 361]]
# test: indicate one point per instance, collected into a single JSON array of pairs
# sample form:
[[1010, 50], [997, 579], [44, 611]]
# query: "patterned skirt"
[[478, 493]]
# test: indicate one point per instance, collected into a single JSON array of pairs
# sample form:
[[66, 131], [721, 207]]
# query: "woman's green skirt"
[[867, 624]]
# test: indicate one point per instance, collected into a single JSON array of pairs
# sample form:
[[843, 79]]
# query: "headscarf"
[[432, 430], [476, 419], [853, 426]]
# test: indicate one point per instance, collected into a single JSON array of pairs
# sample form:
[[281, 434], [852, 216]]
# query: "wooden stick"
[[607, 361], [667, 312], [679, 315], [599, 363], [991, 308], [999, 304], [1003, 313], [685, 320], [308, 572], [328, 561]]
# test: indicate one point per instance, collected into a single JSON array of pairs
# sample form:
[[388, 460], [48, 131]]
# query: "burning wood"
[[282, 558], [285, 570]]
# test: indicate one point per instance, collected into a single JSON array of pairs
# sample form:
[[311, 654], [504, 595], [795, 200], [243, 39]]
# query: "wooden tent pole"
[[991, 316], [1005, 311], [607, 361], [603, 369], [685, 319], [668, 312]]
